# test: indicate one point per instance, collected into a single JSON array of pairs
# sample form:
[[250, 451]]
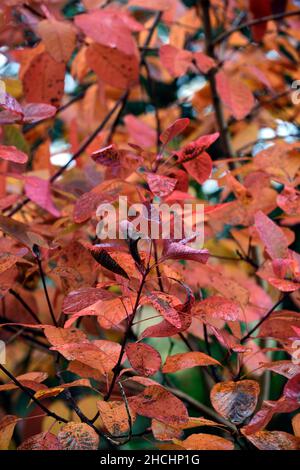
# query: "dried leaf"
[[41, 441], [7, 426], [78, 436], [274, 440], [235, 401]]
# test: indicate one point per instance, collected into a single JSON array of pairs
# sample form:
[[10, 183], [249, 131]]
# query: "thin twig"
[[263, 319], [247, 24], [36, 251], [31, 395], [25, 305]]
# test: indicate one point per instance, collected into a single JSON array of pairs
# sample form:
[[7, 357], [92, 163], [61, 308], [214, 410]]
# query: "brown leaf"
[[274, 440], [236, 401], [59, 38], [7, 426], [296, 424]]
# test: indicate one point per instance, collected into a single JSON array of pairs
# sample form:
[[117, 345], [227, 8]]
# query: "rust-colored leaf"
[[187, 360], [156, 402], [78, 436], [205, 442], [143, 358]]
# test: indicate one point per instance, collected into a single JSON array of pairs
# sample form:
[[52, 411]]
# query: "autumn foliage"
[[149, 343]]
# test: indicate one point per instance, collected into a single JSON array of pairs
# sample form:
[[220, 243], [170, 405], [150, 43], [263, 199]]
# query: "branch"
[[31, 395], [263, 19], [263, 319], [36, 251], [25, 305]]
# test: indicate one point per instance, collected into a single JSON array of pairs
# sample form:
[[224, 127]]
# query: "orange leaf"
[[187, 360]]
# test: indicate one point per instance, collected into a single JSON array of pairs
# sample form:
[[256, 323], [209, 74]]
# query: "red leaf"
[[160, 185], [174, 130], [204, 62], [196, 148], [12, 154], [266, 413], [83, 298], [156, 402], [49, 87], [165, 304], [218, 307], [179, 250], [200, 168], [292, 389], [42, 441], [38, 190], [143, 358], [235, 95], [113, 66], [139, 131], [165, 329], [34, 112], [260, 9], [272, 236], [177, 61], [9, 103], [108, 29]]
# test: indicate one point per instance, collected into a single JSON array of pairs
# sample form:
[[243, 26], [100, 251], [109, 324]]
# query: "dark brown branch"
[[25, 305], [39, 262], [247, 24], [31, 395]]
